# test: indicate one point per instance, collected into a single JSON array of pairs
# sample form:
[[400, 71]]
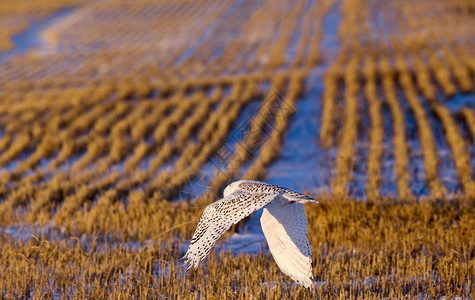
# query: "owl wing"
[[285, 227], [218, 217]]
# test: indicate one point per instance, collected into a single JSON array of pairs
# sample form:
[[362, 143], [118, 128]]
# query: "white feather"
[[217, 218], [285, 227]]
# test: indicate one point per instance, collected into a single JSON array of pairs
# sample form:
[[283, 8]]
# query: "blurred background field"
[[121, 120]]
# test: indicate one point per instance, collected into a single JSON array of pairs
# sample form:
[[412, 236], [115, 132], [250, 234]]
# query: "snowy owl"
[[283, 222]]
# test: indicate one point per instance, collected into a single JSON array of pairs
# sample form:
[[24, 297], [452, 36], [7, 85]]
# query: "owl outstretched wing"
[[285, 227], [218, 217]]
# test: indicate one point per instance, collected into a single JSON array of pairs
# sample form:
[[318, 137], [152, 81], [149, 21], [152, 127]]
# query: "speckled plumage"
[[283, 222]]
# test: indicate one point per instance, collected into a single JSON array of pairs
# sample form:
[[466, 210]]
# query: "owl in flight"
[[283, 222]]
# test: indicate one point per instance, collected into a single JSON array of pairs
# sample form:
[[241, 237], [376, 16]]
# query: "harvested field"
[[120, 121]]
